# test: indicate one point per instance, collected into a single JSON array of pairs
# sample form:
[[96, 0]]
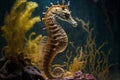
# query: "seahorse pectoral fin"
[[42, 44], [43, 41]]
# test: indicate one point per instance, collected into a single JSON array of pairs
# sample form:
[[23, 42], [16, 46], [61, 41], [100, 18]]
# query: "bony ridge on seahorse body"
[[57, 39]]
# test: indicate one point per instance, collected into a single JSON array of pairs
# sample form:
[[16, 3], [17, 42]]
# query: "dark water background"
[[94, 11]]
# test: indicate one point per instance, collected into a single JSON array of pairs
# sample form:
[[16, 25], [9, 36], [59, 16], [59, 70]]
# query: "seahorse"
[[57, 39]]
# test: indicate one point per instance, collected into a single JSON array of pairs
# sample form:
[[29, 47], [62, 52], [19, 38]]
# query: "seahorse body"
[[57, 40]]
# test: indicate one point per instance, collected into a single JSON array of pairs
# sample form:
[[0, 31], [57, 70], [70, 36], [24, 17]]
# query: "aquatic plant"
[[106, 15], [31, 49], [96, 60], [20, 53], [78, 61], [16, 24]]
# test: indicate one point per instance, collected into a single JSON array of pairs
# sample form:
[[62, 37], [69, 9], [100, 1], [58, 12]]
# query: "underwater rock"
[[9, 70], [33, 72], [12, 70], [2, 61], [23, 70]]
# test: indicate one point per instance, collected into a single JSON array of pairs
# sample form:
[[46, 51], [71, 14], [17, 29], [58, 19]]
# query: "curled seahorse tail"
[[48, 59]]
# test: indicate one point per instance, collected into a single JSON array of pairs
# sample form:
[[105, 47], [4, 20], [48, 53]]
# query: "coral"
[[16, 24]]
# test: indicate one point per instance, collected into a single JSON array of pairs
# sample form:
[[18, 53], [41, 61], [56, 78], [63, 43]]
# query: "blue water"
[[92, 10]]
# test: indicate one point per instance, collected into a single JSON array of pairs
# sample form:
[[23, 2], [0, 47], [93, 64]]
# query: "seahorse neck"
[[50, 20]]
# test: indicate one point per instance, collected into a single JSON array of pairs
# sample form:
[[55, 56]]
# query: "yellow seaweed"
[[16, 24], [78, 62], [31, 50]]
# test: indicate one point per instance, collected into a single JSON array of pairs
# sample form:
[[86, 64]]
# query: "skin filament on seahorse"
[[57, 39]]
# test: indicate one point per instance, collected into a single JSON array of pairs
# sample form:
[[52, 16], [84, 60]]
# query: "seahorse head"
[[63, 13]]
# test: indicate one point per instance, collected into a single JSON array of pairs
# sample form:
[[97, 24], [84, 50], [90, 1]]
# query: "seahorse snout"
[[75, 24]]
